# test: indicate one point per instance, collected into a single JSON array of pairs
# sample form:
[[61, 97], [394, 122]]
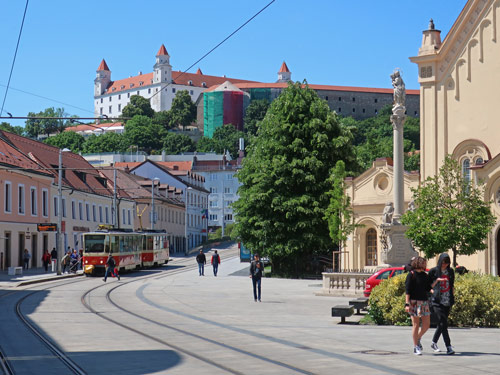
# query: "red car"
[[377, 277]]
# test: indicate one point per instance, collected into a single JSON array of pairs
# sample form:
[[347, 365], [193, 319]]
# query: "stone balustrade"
[[343, 283]]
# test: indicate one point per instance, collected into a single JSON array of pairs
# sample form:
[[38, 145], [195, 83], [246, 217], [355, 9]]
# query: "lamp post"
[[153, 201], [186, 218], [59, 213]]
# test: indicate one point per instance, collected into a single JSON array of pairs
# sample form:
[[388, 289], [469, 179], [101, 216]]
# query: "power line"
[[217, 46], [15, 54], [50, 99]]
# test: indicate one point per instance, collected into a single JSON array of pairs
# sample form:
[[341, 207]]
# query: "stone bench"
[[15, 270], [343, 311], [359, 304]]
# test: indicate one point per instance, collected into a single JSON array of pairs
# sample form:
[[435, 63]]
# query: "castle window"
[[416, 113], [149, 91], [110, 108], [157, 89], [141, 83], [363, 110], [353, 99], [122, 87], [326, 97], [340, 99], [191, 92], [131, 85], [110, 98], [100, 111], [113, 89], [375, 100], [173, 89], [128, 95], [371, 247], [466, 169], [340, 109], [190, 83], [354, 109], [138, 92], [119, 107], [376, 112], [204, 84], [119, 96], [101, 100]]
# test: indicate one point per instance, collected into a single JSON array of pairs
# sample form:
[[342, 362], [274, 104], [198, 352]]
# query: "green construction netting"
[[263, 93], [213, 112]]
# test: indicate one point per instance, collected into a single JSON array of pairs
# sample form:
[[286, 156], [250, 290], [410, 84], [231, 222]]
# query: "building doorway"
[[34, 249], [21, 244], [7, 250]]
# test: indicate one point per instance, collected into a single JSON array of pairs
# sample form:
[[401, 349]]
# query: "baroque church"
[[459, 78]]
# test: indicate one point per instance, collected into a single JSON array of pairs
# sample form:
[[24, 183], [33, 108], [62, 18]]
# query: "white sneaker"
[[417, 351], [419, 345], [435, 347]]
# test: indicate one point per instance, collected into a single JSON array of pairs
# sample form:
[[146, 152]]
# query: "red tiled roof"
[[9, 155], [162, 51], [75, 165], [180, 165], [93, 127], [103, 65], [179, 78], [282, 85], [284, 68]]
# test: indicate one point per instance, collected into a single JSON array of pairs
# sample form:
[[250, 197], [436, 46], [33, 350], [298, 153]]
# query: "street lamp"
[[186, 218], [59, 213], [153, 202]]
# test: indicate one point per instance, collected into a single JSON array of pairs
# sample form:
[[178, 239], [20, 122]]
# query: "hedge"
[[477, 301]]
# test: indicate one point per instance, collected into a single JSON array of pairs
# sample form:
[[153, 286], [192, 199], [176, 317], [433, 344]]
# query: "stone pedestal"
[[397, 248]]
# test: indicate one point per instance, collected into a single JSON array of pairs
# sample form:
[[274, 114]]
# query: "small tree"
[[176, 143], [137, 106], [69, 140], [107, 142], [254, 114], [450, 214], [19, 130], [183, 111], [141, 131]]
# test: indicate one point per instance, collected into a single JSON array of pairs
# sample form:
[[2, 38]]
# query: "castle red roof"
[[103, 65], [284, 68], [162, 51]]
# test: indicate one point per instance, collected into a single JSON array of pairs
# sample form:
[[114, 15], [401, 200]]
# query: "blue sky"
[[331, 42]]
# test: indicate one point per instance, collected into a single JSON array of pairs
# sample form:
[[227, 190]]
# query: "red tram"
[[131, 250]]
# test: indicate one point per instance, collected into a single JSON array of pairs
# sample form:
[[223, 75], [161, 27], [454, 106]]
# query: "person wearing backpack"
[[215, 262], [110, 268], [256, 269], [442, 300]]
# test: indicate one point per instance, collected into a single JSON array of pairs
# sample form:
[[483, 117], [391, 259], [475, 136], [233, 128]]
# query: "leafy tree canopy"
[[141, 131], [183, 111], [177, 143], [107, 142], [283, 197], [137, 106], [35, 127], [450, 214], [70, 140], [255, 112], [19, 130], [163, 118], [225, 138]]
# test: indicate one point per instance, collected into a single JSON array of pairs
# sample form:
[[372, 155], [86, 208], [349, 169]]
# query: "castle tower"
[[284, 75], [162, 68], [103, 78]]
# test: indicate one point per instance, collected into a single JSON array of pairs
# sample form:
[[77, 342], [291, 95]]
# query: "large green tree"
[[183, 110], [177, 143], [138, 106], [141, 131], [107, 142], [255, 112], [450, 214], [69, 140], [46, 122], [283, 197], [225, 138]]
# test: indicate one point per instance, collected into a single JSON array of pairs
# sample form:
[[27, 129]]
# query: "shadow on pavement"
[[128, 362]]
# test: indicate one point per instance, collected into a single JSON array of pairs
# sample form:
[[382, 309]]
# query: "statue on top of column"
[[399, 89]]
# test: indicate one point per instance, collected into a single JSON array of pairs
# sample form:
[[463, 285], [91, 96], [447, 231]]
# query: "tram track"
[[192, 335]]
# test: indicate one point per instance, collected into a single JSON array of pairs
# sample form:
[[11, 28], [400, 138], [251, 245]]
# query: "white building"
[[160, 86]]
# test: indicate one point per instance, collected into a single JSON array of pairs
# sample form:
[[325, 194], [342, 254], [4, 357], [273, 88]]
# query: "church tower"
[[103, 78], [162, 68], [284, 75]]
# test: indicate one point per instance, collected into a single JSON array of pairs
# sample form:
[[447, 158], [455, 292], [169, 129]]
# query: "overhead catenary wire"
[[15, 55], [217, 46]]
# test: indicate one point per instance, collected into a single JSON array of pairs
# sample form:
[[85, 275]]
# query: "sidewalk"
[[32, 276]]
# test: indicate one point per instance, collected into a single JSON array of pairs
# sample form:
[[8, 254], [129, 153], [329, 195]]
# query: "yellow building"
[[459, 79]]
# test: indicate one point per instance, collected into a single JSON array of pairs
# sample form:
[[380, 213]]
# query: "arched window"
[[466, 169], [371, 247]]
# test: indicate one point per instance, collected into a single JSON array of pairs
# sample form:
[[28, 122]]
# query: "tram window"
[[114, 244], [94, 243]]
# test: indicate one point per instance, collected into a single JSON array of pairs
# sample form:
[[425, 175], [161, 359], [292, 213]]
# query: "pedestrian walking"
[[202, 260], [65, 261], [418, 285], [442, 300], [46, 260], [256, 269], [111, 268], [53, 255], [26, 259], [215, 262]]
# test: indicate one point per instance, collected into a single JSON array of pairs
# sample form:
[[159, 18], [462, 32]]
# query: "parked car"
[[377, 277]]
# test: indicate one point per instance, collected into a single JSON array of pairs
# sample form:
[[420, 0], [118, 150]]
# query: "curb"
[[42, 280]]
